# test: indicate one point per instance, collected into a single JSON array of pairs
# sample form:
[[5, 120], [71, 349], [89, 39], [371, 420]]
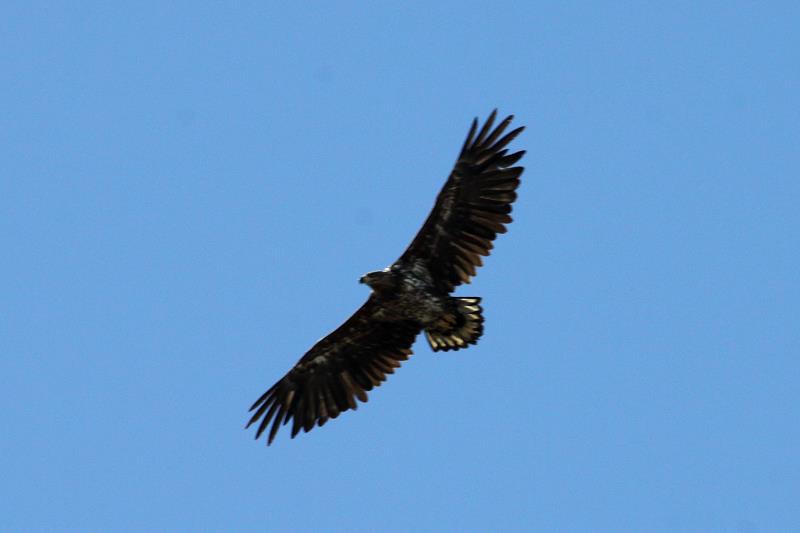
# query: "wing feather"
[[335, 372], [471, 209], [485, 129]]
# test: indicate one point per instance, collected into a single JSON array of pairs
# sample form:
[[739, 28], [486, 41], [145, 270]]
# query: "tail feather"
[[458, 329]]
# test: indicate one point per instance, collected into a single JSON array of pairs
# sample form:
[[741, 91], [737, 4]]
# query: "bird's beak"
[[362, 279]]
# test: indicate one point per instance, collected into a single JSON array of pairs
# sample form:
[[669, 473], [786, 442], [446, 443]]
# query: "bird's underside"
[[409, 297]]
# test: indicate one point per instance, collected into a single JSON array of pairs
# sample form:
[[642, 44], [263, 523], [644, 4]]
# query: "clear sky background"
[[190, 191]]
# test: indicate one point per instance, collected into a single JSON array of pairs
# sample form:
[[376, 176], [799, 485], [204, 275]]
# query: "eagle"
[[411, 296]]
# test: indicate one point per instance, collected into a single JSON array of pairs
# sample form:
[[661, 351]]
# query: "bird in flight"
[[411, 296]]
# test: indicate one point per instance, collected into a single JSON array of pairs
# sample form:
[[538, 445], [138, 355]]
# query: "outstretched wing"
[[338, 369], [471, 209]]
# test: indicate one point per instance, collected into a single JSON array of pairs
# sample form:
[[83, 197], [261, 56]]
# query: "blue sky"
[[190, 191]]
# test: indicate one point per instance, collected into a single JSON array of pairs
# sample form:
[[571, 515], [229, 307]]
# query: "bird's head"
[[380, 279]]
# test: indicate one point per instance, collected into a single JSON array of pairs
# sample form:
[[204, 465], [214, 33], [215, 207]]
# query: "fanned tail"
[[458, 329]]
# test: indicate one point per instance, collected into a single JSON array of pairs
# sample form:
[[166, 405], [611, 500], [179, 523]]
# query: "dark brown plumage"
[[411, 296], [472, 208]]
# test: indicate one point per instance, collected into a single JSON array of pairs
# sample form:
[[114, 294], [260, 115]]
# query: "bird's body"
[[410, 296], [406, 294]]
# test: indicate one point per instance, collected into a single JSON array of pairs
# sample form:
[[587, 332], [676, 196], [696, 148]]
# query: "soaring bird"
[[412, 295]]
